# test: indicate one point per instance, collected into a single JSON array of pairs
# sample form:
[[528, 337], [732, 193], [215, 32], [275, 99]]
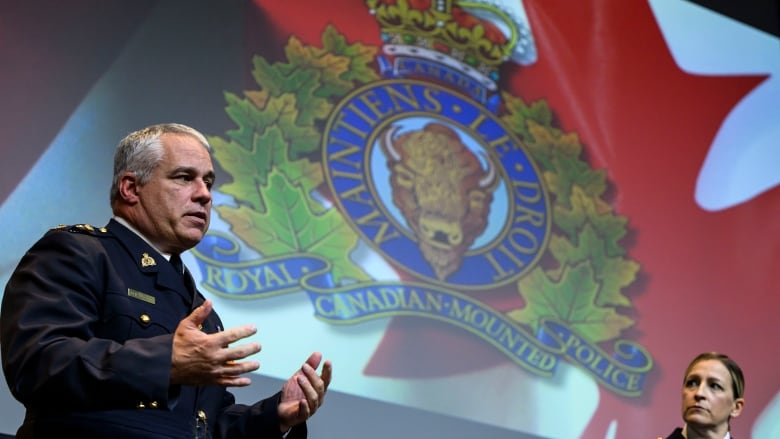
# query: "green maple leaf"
[[279, 79], [361, 56], [588, 209], [249, 168], [306, 77], [296, 94], [281, 113], [290, 226], [317, 75], [591, 272], [570, 300], [242, 112], [330, 67], [260, 114], [306, 174], [559, 157], [612, 273], [518, 115]]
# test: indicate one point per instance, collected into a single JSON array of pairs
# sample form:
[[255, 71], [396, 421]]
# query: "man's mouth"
[[199, 216]]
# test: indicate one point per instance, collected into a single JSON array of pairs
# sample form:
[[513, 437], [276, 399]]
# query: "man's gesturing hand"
[[304, 392], [207, 359]]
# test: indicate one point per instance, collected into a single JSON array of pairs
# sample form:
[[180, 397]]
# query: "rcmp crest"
[[413, 151]]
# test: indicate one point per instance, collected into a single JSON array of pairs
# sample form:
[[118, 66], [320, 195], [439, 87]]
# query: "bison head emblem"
[[442, 191]]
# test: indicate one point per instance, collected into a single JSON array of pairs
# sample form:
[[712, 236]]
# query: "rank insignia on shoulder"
[[82, 228], [147, 261]]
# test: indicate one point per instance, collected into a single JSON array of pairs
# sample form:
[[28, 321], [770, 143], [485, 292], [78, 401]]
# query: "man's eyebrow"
[[192, 170]]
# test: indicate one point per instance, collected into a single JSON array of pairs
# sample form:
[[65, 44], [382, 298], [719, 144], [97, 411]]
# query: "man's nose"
[[202, 192]]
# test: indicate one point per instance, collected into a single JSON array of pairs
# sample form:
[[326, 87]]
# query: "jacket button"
[[145, 319]]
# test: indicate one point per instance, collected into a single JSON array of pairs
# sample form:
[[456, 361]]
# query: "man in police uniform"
[[103, 334]]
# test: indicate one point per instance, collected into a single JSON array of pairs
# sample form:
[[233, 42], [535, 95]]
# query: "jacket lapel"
[[148, 260]]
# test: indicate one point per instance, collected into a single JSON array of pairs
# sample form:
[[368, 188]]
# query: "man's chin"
[[192, 238]]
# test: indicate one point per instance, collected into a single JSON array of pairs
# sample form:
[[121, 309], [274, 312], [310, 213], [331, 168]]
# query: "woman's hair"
[[141, 151], [737, 378]]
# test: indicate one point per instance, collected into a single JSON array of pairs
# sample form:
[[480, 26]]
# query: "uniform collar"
[[130, 227], [147, 258]]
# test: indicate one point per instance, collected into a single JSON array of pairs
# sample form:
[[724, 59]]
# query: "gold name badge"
[[141, 296]]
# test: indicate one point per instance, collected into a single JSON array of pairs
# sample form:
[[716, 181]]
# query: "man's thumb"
[[199, 314]]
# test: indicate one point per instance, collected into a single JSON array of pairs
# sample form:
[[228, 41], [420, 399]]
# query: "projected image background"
[[523, 222]]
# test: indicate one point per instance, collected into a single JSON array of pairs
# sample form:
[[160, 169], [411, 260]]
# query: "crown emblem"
[[472, 38]]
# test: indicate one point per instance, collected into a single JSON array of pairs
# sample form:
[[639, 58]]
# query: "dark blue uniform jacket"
[[86, 335]]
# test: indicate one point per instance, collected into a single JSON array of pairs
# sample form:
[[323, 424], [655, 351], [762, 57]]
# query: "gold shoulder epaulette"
[[82, 228]]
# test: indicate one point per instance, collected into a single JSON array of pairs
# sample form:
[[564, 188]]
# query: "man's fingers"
[[304, 410], [234, 381], [314, 360], [312, 396], [199, 314], [319, 382], [236, 368], [327, 373], [313, 387], [232, 335], [232, 355]]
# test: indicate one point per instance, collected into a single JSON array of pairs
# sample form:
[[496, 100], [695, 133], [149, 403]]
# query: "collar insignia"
[[147, 261]]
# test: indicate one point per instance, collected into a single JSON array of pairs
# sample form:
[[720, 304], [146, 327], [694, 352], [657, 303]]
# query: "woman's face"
[[708, 397]]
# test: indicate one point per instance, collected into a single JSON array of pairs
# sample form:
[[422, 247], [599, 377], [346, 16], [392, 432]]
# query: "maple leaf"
[[360, 56], [265, 113], [570, 300], [306, 174], [559, 156], [249, 168], [250, 165], [588, 209], [297, 80], [316, 75], [290, 226], [612, 273], [295, 95], [518, 115], [329, 66], [242, 112]]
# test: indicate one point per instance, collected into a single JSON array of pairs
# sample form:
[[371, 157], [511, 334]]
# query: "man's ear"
[[128, 188], [738, 404]]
